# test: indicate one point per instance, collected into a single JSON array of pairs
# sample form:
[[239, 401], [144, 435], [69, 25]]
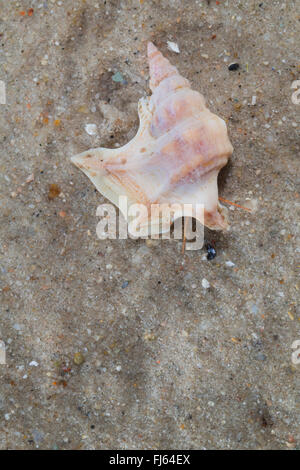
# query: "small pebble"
[[78, 358], [91, 129], [205, 284], [234, 66], [211, 252], [230, 264], [54, 191], [118, 78], [172, 46], [30, 178]]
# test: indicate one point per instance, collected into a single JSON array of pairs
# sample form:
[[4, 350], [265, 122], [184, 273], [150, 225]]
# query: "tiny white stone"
[[91, 129], [118, 368], [205, 284], [230, 264], [33, 363], [253, 102], [173, 46]]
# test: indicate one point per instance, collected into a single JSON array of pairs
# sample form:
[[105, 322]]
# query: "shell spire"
[[160, 67]]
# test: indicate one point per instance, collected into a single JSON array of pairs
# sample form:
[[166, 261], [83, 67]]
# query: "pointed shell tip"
[[151, 49]]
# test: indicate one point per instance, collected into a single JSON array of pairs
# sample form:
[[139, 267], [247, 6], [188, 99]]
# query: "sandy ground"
[[116, 344]]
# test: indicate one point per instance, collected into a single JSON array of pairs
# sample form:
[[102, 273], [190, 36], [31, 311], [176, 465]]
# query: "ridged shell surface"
[[175, 156]]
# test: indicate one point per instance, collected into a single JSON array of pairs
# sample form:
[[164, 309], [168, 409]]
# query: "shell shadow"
[[223, 175]]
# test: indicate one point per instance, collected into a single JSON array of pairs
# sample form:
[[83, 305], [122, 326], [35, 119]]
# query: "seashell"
[[175, 156]]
